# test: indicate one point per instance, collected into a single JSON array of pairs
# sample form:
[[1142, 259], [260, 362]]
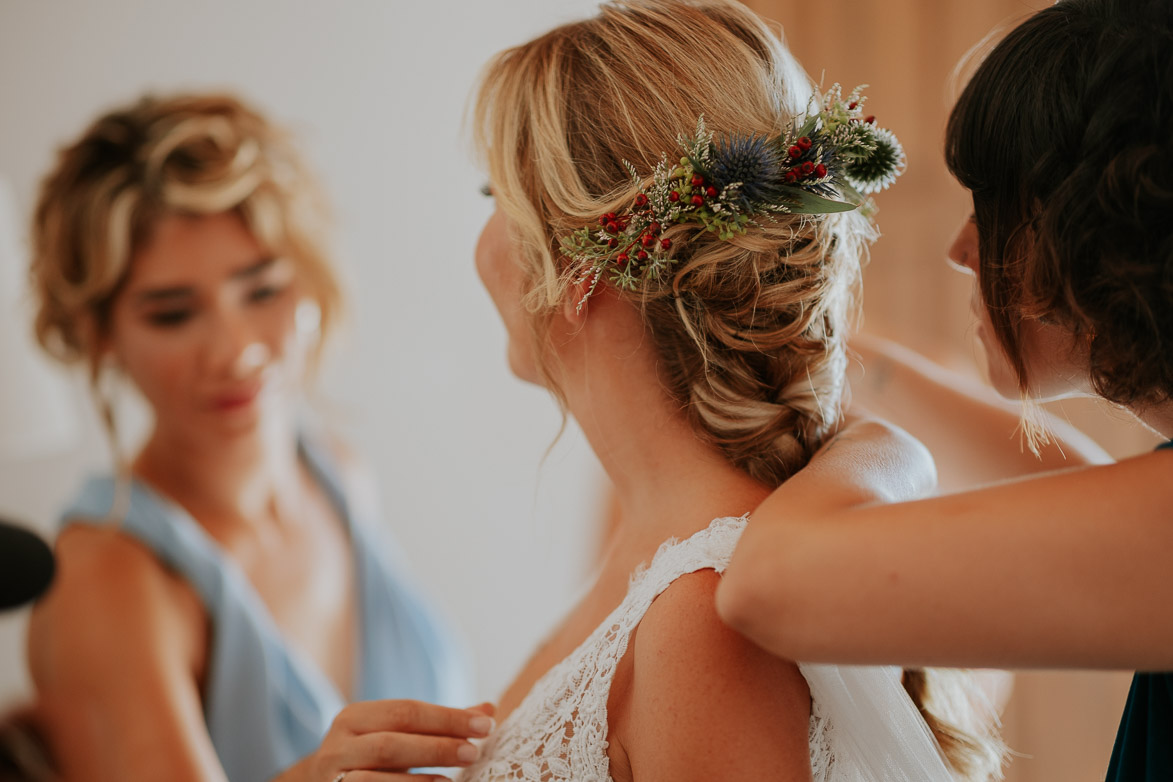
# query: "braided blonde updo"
[[750, 331]]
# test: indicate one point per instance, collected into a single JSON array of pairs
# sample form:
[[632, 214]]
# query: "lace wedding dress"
[[863, 728]]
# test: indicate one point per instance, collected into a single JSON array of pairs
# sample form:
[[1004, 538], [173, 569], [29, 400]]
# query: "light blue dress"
[[266, 706]]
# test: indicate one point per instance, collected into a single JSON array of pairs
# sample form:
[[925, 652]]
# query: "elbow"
[[738, 605], [911, 470], [756, 597]]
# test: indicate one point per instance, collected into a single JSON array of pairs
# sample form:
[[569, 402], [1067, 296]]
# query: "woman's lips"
[[237, 398]]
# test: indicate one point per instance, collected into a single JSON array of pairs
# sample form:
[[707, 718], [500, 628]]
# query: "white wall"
[[375, 89]]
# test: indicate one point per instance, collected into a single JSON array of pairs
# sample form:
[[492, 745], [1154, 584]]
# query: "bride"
[[673, 258]]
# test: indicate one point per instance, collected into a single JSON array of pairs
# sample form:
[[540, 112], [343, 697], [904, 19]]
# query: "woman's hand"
[[380, 741]]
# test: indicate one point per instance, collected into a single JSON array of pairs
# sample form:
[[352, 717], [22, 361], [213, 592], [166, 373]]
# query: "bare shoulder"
[[699, 701], [681, 636], [117, 652], [113, 606]]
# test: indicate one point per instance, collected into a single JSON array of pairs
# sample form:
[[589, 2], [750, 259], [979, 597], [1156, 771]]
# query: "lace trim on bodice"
[[559, 731]]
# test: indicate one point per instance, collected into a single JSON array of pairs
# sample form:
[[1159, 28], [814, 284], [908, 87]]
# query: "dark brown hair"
[[1065, 138]]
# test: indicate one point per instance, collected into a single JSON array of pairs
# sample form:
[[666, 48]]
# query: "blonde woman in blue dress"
[[222, 603]]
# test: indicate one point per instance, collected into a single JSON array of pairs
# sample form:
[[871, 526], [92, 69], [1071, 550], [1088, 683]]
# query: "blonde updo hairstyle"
[[750, 332], [187, 155]]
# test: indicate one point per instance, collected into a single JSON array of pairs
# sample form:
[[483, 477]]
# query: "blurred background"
[[500, 532]]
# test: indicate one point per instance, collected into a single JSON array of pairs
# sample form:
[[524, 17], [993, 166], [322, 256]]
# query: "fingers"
[[392, 751], [383, 776], [414, 717], [486, 708], [380, 740], [486, 723]]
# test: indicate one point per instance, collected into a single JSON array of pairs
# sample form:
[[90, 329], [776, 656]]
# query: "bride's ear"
[[576, 301]]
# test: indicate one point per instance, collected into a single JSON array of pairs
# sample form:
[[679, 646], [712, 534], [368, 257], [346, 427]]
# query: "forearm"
[[1063, 571]]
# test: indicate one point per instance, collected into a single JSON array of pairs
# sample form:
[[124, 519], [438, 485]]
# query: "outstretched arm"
[[117, 649], [971, 431], [1064, 570]]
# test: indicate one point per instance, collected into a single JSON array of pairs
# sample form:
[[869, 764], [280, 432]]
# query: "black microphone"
[[26, 565]]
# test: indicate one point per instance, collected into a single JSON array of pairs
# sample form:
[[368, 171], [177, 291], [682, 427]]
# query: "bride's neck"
[[668, 482]]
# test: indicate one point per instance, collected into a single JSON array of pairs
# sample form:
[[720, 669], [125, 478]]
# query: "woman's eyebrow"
[[155, 295], [174, 292], [255, 268]]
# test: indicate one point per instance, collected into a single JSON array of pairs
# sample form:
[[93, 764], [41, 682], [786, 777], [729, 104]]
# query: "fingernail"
[[481, 726], [467, 753]]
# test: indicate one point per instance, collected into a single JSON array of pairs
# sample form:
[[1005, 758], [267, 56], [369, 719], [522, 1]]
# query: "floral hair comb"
[[827, 161]]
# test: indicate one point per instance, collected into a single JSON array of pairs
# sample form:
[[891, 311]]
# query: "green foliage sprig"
[[827, 161]]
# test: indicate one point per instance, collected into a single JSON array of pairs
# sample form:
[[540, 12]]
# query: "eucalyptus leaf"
[[851, 194], [809, 126], [803, 202]]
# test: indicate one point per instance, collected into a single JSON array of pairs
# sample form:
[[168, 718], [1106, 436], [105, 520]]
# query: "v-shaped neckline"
[[301, 660]]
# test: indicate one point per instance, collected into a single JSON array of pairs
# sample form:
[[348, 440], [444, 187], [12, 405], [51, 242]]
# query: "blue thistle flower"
[[751, 160]]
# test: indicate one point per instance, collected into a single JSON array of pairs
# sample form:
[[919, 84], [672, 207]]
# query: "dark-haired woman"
[[1065, 138]]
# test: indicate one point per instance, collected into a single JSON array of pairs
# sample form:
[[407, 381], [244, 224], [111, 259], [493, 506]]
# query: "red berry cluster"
[[803, 169], [647, 239], [613, 224], [701, 192]]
